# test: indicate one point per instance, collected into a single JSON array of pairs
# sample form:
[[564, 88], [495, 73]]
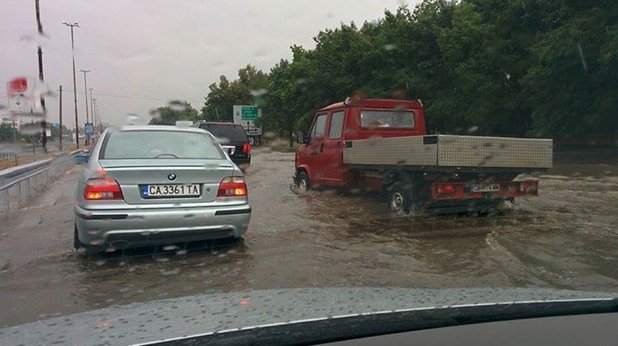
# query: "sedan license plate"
[[173, 190], [485, 188]]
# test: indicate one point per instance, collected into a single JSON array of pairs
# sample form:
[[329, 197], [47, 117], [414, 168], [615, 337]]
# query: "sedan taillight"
[[102, 189], [232, 187]]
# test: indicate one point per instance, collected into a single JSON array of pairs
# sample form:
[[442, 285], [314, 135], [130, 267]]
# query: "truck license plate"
[[485, 188], [172, 190]]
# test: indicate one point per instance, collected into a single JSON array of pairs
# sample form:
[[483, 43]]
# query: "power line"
[[135, 97], [144, 97]]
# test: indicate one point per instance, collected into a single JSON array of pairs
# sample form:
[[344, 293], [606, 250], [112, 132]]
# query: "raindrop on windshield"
[[390, 47], [177, 105], [132, 118], [258, 92]]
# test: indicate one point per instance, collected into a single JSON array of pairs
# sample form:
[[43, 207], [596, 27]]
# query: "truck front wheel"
[[400, 198], [302, 181]]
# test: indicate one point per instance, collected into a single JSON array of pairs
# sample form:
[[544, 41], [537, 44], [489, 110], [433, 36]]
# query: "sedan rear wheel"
[[77, 244], [88, 249]]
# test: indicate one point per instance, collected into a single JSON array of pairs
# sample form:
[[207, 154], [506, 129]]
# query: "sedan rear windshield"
[[160, 145], [387, 118], [226, 133]]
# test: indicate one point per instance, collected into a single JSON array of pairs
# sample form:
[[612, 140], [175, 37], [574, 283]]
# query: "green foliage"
[[7, 132], [249, 88], [174, 111], [501, 67], [55, 131]]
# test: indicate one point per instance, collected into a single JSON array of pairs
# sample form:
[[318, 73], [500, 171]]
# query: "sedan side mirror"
[[80, 159], [302, 137]]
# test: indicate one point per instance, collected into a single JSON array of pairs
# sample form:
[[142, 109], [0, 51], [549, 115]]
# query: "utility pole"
[[60, 119], [86, 92], [86, 102], [92, 108], [73, 25], [99, 121], [41, 76]]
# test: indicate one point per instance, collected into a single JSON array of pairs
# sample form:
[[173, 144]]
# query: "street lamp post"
[[73, 25], [86, 100], [93, 117]]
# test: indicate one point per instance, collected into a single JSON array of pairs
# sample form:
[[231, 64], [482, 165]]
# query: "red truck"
[[382, 145]]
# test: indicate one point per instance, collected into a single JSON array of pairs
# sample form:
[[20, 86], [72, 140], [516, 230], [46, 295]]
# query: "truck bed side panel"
[[481, 151], [450, 151], [406, 151]]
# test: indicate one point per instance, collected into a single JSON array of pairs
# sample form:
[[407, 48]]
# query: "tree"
[[172, 112], [500, 67], [573, 83], [249, 88], [7, 133]]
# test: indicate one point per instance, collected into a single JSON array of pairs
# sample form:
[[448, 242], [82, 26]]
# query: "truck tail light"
[[446, 189], [102, 189], [232, 187], [246, 148], [529, 187]]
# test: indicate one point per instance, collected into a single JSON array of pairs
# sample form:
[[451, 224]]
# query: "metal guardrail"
[[21, 188], [7, 155]]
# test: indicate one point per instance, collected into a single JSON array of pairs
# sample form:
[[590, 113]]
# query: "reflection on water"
[[162, 272]]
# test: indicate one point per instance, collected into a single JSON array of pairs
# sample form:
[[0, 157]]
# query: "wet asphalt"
[[566, 238]]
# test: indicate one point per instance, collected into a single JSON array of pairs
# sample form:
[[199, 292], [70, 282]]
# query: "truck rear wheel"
[[400, 198]]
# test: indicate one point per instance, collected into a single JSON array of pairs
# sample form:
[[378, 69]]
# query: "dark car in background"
[[231, 135]]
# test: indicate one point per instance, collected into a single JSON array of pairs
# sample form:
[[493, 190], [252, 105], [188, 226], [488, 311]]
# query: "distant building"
[[5, 119]]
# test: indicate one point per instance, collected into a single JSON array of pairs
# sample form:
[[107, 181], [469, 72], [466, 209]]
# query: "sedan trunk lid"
[[134, 174]]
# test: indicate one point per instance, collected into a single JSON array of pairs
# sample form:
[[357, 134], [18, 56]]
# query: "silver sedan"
[[153, 185]]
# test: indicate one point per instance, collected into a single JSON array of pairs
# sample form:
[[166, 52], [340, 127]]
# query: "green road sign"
[[249, 113]]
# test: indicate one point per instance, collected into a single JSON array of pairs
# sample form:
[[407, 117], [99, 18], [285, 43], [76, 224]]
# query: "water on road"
[[565, 238]]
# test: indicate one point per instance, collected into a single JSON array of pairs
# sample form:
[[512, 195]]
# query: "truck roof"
[[377, 103]]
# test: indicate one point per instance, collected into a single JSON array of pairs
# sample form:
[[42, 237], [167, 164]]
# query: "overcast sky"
[[145, 52]]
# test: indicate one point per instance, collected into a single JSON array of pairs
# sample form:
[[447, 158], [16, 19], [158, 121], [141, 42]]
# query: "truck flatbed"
[[436, 152]]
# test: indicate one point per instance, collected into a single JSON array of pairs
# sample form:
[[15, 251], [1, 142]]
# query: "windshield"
[[231, 153], [159, 144]]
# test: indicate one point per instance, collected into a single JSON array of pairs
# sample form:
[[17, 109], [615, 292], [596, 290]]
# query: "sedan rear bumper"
[[140, 227]]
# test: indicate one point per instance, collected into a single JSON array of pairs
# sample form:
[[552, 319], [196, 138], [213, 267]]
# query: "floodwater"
[[566, 238]]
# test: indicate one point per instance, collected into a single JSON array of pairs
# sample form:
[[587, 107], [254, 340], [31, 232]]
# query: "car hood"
[[173, 319]]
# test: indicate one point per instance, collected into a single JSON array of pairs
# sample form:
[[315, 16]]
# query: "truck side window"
[[318, 127], [336, 125]]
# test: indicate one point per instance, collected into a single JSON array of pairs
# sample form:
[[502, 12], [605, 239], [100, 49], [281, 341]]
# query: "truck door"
[[331, 149], [315, 148]]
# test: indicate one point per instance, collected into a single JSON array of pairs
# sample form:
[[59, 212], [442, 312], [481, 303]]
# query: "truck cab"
[[320, 157]]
